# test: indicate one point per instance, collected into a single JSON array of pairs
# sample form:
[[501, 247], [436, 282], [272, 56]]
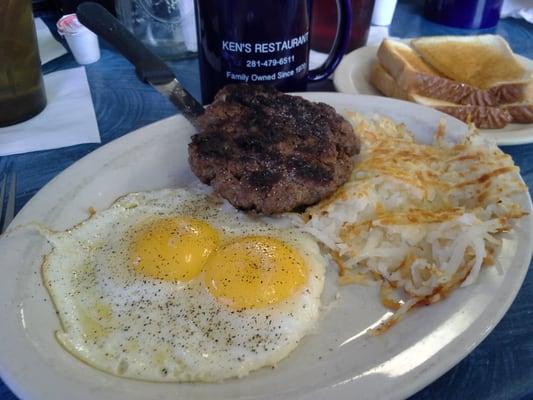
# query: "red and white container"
[[82, 42]]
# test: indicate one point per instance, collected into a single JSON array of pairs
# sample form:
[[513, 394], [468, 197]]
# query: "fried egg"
[[169, 285]]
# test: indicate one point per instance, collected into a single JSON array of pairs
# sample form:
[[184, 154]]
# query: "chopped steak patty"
[[270, 152]]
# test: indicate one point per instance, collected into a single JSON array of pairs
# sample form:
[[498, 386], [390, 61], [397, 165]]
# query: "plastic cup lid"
[[69, 25]]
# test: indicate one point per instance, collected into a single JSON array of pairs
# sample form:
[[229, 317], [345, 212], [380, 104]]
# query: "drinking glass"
[[22, 94], [167, 27], [324, 24]]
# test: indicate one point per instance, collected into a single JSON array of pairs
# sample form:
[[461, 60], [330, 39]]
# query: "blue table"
[[501, 367]]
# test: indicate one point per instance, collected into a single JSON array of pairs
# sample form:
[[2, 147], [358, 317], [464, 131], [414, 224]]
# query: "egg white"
[[144, 328]]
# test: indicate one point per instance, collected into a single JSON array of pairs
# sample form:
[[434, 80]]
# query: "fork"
[[8, 209]]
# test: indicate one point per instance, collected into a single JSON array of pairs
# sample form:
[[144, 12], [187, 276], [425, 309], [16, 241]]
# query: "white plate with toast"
[[353, 76], [337, 361]]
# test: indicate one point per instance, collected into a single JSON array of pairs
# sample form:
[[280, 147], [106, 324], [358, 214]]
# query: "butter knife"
[[149, 67]]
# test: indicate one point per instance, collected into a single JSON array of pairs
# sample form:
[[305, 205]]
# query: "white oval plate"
[[353, 73], [338, 361]]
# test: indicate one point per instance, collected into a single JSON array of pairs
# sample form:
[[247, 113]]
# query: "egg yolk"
[[173, 249], [255, 271]]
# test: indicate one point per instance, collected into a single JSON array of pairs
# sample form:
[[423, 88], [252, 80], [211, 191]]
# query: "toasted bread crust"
[[520, 113], [447, 90], [397, 57], [482, 116], [521, 92]]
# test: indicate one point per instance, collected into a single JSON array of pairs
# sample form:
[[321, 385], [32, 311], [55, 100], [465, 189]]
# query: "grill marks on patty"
[[270, 152]]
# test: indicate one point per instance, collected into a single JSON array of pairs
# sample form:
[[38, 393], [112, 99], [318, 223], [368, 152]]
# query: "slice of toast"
[[483, 116], [482, 61], [414, 75]]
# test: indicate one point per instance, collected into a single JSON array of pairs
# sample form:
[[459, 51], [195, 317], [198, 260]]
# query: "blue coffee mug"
[[467, 14], [262, 42]]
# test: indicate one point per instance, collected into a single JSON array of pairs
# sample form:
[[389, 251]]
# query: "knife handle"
[[148, 66]]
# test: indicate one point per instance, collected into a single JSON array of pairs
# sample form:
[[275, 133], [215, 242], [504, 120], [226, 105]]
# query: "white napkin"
[[68, 118], [518, 9], [49, 47]]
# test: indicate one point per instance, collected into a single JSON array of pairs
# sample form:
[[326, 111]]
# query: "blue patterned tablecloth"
[[501, 367]]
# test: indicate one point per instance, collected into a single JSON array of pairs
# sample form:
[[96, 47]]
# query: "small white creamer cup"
[[82, 42]]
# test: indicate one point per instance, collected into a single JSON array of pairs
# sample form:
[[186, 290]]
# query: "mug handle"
[[340, 44]]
